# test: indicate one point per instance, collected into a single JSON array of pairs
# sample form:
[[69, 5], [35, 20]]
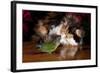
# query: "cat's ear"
[[80, 33], [67, 27]]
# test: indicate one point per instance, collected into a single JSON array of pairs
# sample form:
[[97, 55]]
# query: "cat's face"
[[68, 25]]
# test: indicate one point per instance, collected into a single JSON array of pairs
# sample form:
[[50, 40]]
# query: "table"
[[32, 54]]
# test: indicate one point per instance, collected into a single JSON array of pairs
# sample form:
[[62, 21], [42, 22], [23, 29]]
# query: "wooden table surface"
[[32, 54]]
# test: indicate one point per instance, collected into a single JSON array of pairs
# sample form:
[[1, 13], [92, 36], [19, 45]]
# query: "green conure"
[[50, 46]]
